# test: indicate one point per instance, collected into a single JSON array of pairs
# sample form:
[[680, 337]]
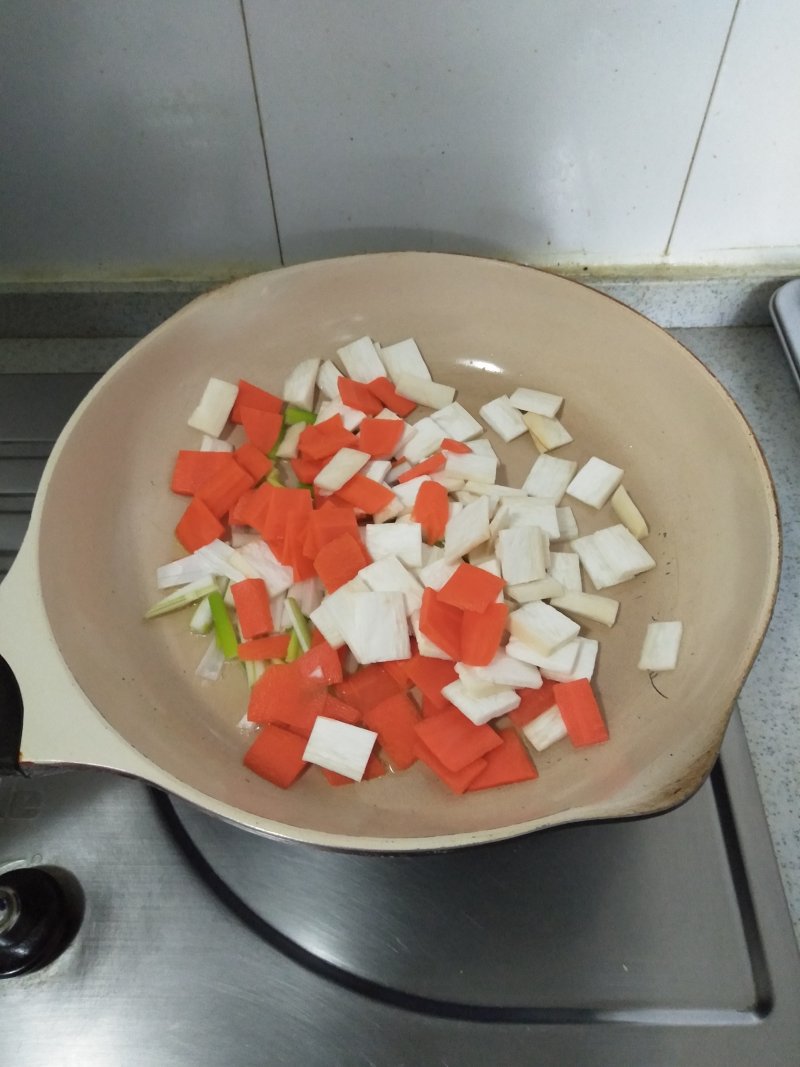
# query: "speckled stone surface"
[[751, 365]]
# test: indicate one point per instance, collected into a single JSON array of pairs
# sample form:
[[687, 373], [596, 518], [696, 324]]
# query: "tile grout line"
[[703, 123], [261, 129]]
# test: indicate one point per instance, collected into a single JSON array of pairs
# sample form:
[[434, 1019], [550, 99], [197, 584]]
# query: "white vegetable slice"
[[525, 511], [308, 595], [476, 685], [211, 414], [546, 729], [524, 552], [407, 491], [403, 540], [595, 482], [502, 417], [393, 510], [483, 447], [340, 747], [361, 361], [565, 567], [535, 400], [287, 449], [388, 575], [602, 609], [404, 357], [377, 469], [457, 423], [562, 660], [277, 577], [470, 467], [331, 616], [351, 417], [300, 385], [543, 589], [466, 530], [396, 471], [182, 571], [227, 562], [427, 438], [543, 628], [431, 554], [503, 670], [435, 574], [567, 526], [211, 663], [584, 663], [662, 643], [214, 444], [547, 433], [628, 514], [549, 477], [374, 626], [328, 377], [481, 709], [452, 485], [425, 392], [340, 468], [491, 489], [425, 646], [612, 555]]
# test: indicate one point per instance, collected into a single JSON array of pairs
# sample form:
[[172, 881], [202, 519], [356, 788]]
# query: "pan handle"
[[10, 720]]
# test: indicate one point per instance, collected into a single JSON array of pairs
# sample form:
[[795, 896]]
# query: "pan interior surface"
[[634, 397]]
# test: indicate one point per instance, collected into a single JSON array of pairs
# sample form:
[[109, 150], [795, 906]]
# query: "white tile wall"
[[129, 140], [545, 131], [742, 202]]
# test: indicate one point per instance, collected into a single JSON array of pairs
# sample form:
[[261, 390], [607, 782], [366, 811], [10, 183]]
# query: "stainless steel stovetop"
[[661, 941]]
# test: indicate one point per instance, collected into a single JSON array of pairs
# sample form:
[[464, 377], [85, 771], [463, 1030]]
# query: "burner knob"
[[37, 921]]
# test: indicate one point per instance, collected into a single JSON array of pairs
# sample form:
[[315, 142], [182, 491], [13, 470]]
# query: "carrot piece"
[[251, 599], [262, 427], [253, 460], [397, 669], [238, 515], [321, 665], [339, 561], [431, 465], [333, 708], [252, 507], [456, 741], [322, 439], [394, 720], [366, 687], [380, 437], [193, 468], [277, 755], [430, 708], [364, 493], [481, 634], [251, 396], [383, 389], [286, 696], [506, 764], [374, 769], [534, 703], [357, 395], [430, 676], [327, 523], [282, 504], [441, 623], [306, 469], [581, 712], [471, 588], [198, 526], [224, 488], [449, 445], [457, 781], [293, 555], [262, 648], [432, 510]]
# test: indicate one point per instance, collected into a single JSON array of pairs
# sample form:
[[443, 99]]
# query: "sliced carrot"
[[282, 504], [374, 769], [441, 623], [397, 669], [306, 469], [457, 781], [252, 397], [432, 465], [322, 439], [394, 720], [471, 588], [193, 468], [293, 555], [380, 437], [277, 755], [456, 741], [252, 508], [534, 703], [263, 648], [326, 523], [224, 488], [285, 696], [581, 712], [357, 395], [321, 665], [430, 676], [251, 599], [366, 687], [340, 560], [333, 708], [262, 427], [364, 493], [383, 389], [449, 445], [481, 634], [240, 512], [432, 510], [430, 708], [506, 764], [198, 526], [253, 460]]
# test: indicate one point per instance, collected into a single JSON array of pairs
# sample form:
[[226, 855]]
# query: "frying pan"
[[100, 687]]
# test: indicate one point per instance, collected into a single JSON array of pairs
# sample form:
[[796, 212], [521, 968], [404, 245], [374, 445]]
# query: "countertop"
[[749, 362]]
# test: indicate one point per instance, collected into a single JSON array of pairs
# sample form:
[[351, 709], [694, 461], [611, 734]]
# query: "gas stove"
[[190, 941]]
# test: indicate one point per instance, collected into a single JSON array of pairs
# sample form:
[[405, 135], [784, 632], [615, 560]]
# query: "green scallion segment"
[[294, 651], [299, 623], [273, 452], [293, 415], [275, 479], [182, 597], [223, 627]]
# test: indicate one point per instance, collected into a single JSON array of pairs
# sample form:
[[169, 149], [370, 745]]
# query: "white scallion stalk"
[[340, 747], [567, 526], [481, 709], [628, 514], [374, 626], [662, 644], [502, 417], [287, 449], [307, 594], [547, 433], [543, 628], [277, 576], [612, 555], [565, 567], [361, 361], [600, 609], [524, 552], [404, 357], [595, 482], [351, 417], [213, 411], [214, 444], [427, 439], [466, 530], [457, 423], [340, 468], [503, 670], [547, 404], [403, 540], [562, 660], [584, 663], [543, 589], [183, 597], [227, 562], [254, 668], [549, 477], [546, 729], [182, 571], [298, 389], [425, 392], [211, 663], [328, 377], [299, 623], [201, 621], [471, 467]]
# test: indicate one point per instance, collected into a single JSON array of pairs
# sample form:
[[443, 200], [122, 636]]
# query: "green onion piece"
[[223, 627], [253, 668], [294, 650], [293, 415], [274, 478], [299, 623], [183, 597], [201, 622], [273, 452]]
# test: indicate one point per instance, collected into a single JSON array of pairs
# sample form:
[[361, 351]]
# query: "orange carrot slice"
[[253, 460], [285, 696], [362, 492], [383, 389], [357, 395], [262, 427], [367, 687], [457, 781], [394, 720], [581, 712], [277, 755], [431, 510], [431, 465], [481, 634], [263, 648], [508, 763], [534, 703], [251, 599], [441, 624], [252, 397], [449, 445], [322, 439], [340, 560], [430, 676], [224, 488], [193, 468], [198, 526], [454, 740], [334, 708], [471, 588], [380, 437]]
